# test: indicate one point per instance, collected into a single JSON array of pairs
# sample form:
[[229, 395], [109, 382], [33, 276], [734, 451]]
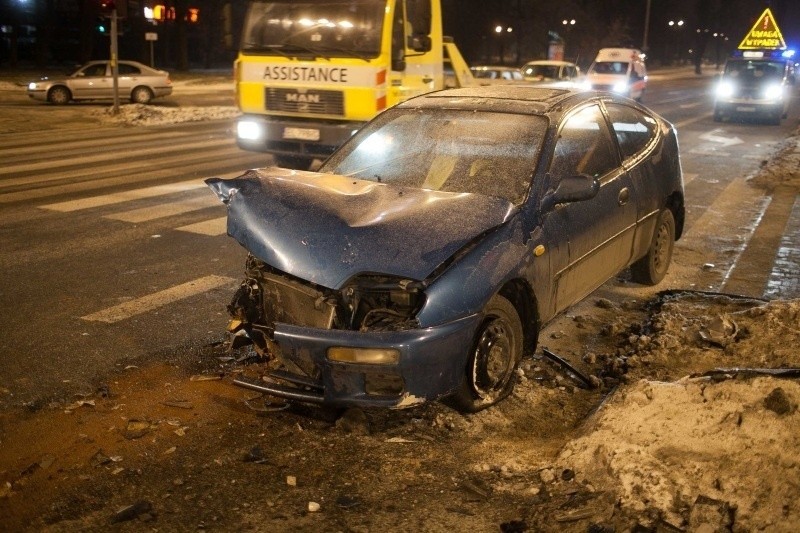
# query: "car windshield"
[[754, 70], [610, 67], [344, 28], [541, 71], [493, 154]]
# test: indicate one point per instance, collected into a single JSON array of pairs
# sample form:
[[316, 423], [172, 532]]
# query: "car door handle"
[[623, 196]]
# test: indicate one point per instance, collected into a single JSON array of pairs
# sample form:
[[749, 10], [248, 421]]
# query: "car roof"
[[522, 99], [492, 67], [549, 63]]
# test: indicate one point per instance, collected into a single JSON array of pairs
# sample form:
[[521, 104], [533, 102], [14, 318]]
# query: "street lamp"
[[500, 31], [677, 26], [568, 24]]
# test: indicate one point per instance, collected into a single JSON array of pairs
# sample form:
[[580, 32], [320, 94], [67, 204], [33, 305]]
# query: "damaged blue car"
[[422, 259]]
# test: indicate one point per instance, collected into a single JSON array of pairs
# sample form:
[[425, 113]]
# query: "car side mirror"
[[576, 188]]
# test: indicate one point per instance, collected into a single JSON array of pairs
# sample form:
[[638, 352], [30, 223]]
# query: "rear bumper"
[[432, 364]]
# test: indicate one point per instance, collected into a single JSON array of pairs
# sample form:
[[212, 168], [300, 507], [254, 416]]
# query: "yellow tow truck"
[[309, 73]]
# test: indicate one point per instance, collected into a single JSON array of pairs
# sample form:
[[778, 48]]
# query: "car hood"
[[327, 228]]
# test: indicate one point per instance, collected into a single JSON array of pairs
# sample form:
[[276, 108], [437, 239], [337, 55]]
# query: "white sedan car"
[[95, 81]]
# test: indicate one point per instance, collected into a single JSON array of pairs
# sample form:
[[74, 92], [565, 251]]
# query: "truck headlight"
[[773, 91], [725, 89], [620, 87], [249, 130], [371, 356]]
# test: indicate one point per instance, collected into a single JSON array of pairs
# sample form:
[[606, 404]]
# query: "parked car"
[[95, 81], [423, 258], [489, 75], [559, 73], [759, 85]]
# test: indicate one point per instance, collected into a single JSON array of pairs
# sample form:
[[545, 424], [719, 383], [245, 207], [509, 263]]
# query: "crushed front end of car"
[[335, 278]]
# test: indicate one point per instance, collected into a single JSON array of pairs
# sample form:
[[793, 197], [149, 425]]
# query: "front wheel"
[[651, 269], [496, 352], [59, 95]]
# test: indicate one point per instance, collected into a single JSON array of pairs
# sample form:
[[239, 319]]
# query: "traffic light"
[[108, 6], [103, 25]]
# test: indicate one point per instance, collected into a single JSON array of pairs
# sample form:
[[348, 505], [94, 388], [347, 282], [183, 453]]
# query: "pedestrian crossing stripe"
[[145, 214], [212, 228], [125, 196], [158, 299]]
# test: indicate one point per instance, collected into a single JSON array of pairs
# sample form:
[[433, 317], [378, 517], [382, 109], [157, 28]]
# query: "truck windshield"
[[344, 28], [493, 154]]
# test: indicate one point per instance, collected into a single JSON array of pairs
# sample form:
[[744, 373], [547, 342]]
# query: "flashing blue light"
[[788, 54]]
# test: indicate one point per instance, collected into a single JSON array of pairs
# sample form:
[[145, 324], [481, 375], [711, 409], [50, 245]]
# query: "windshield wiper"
[[351, 53]]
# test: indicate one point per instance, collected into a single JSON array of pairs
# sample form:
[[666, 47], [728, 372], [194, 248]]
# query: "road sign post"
[[152, 37]]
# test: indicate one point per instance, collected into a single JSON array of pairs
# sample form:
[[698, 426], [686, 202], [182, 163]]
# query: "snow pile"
[[150, 115], [783, 169], [716, 452]]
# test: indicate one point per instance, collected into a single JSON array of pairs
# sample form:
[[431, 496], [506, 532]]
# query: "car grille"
[[292, 303], [602, 87], [313, 102]]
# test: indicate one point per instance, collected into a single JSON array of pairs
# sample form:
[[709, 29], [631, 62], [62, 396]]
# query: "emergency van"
[[620, 70], [309, 74]]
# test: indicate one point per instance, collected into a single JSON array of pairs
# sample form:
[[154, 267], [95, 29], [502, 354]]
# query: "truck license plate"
[[745, 109], [303, 134]]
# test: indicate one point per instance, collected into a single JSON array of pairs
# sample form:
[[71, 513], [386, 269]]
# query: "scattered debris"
[[582, 381], [141, 510]]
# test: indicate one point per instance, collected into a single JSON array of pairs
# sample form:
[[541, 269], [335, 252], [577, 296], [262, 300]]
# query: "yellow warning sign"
[[764, 35]]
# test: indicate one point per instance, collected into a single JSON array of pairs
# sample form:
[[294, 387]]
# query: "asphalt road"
[[114, 252]]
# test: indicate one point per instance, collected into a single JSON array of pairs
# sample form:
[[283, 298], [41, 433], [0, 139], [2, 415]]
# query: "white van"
[[620, 70]]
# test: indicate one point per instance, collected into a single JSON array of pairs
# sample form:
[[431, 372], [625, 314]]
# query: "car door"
[[128, 78], [90, 82], [599, 231]]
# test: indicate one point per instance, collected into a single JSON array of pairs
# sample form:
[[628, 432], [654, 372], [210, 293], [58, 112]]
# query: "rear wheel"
[[141, 95], [293, 161], [496, 352], [652, 268], [59, 95]]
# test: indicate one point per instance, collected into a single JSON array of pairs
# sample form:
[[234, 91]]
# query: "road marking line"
[[213, 227], [165, 210], [691, 120], [158, 299], [689, 106], [688, 178], [126, 196]]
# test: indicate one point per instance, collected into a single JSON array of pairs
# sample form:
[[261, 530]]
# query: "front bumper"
[[749, 106], [432, 364], [280, 136]]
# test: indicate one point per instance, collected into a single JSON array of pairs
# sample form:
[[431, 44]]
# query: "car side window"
[[95, 71], [634, 130], [128, 70], [584, 146]]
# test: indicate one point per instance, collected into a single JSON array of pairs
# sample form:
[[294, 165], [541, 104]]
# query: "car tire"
[[141, 95], [717, 115], [59, 95], [496, 352], [651, 269], [293, 161]]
